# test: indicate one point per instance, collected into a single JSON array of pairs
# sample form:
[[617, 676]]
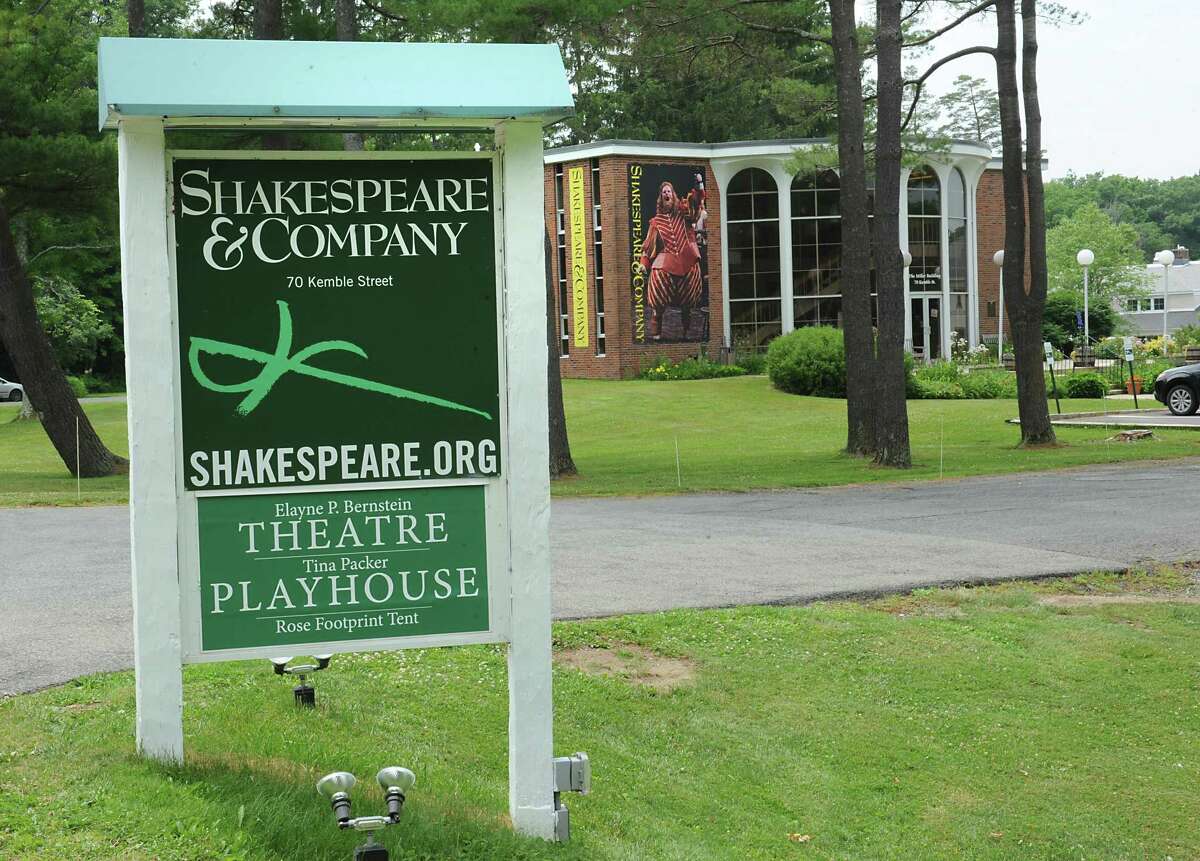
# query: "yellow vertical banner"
[[579, 296]]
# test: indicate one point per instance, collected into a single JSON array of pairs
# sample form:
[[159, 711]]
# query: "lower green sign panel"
[[294, 568]]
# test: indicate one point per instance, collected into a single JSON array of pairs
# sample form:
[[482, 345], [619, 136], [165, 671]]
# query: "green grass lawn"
[[733, 434], [32, 473], [964, 723], [740, 433]]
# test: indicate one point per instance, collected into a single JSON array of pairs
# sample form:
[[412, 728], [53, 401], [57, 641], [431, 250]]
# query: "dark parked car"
[[1179, 389]]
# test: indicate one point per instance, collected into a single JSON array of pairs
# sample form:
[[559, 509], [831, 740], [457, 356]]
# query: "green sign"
[[337, 320], [293, 568]]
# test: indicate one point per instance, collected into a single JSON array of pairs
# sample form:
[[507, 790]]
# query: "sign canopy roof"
[[214, 78]]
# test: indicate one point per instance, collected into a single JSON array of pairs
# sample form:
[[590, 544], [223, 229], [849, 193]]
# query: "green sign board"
[[337, 320], [293, 568]]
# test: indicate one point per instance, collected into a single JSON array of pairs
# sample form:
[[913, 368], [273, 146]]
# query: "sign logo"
[[282, 361]]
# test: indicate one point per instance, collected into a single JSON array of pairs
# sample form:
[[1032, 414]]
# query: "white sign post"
[[148, 87]]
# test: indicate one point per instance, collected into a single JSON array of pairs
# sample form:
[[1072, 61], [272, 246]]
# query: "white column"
[[783, 181], [530, 707], [943, 175], [722, 174], [149, 379], [972, 186]]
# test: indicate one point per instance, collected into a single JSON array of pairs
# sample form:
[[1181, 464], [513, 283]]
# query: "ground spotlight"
[[304, 693], [395, 781]]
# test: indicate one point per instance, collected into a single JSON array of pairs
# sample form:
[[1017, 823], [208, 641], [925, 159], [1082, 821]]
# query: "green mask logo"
[[276, 365]]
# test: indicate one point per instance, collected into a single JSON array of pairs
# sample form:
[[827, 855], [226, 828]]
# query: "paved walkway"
[[1142, 418], [64, 573]]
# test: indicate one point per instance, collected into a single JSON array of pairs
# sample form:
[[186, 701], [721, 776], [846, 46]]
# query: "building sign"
[[290, 568], [924, 280], [337, 327], [337, 321], [668, 248], [579, 297]]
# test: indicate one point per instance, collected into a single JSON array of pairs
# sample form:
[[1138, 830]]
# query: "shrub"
[[986, 385], [701, 368], [943, 370], [930, 389], [1084, 386], [754, 362], [809, 361], [1187, 336], [1059, 323], [78, 386], [1110, 348]]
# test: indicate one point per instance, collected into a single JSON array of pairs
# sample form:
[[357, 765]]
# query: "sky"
[[1116, 91]]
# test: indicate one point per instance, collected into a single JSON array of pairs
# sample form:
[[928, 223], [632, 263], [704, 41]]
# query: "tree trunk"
[[268, 19], [1024, 310], [891, 405], [268, 24], [347, 31], [561, 462], [1039, 429], [39, 372], [856, 237], [135, 11]]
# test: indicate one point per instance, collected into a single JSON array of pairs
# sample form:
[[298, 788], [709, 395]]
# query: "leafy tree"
[[74, 323], [970, 110], [1118, 271], [53, 166], [1164, 213], [1060, 323]]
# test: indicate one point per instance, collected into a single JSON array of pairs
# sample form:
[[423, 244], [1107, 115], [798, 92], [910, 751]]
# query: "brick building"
[[768, 246]]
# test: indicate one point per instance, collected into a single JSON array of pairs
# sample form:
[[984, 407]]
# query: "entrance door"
[[926, 328]]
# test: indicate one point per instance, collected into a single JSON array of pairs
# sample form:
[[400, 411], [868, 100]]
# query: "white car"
[[10, 391]]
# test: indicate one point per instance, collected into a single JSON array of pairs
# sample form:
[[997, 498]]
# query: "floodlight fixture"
[[907, 260], [304, 693], [336, 787], [395, 781]]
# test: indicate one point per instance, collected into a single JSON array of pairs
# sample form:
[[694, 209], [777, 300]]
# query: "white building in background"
[[1181, 302]]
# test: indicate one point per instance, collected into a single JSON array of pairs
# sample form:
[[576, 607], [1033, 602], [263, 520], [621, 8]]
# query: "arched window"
[[925, 231], [752, 220], [817, 248], [956, 220]]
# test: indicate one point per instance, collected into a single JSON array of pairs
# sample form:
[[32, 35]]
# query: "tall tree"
[[135, 11], [856, 232], [891, 405], [66, 424], [347, 31], [1025, 307], [51, 161], [561, 462], [268, 19], [970, 110], [1118, 272]]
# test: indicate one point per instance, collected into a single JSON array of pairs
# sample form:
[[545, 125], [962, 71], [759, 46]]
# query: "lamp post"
[[1166, 257], [1085, 258], [998, 259]]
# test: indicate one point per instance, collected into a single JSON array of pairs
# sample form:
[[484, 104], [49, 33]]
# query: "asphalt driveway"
[[64, 573]]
